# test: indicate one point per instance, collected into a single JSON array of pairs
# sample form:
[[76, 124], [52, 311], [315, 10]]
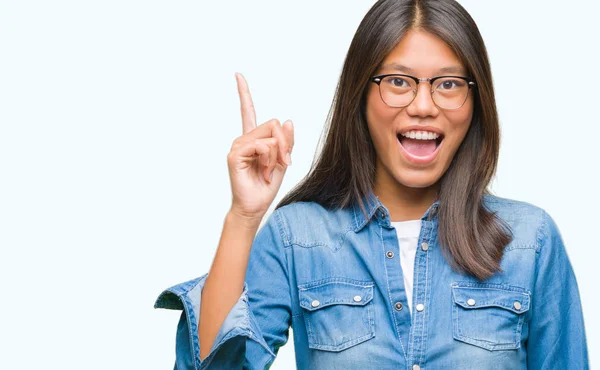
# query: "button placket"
[[421, 288]]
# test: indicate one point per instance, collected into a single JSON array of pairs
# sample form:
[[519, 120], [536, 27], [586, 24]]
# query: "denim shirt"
[[334, 276]]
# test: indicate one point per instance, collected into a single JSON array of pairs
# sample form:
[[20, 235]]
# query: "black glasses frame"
[[377, 79]]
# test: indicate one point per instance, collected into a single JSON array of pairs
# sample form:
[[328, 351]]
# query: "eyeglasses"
[[447, 92]]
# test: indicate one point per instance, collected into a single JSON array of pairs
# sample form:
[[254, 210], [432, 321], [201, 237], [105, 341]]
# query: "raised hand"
[[258, 159]]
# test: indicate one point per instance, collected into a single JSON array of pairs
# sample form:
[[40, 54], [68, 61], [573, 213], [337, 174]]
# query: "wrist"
[[245, 220]]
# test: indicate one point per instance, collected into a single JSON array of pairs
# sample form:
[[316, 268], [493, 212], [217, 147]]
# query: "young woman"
[[391, 253]]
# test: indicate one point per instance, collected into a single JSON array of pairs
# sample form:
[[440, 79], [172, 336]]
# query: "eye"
[[449, 84], [397, 81]]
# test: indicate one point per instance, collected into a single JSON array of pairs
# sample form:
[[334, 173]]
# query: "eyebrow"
[[400, 67]]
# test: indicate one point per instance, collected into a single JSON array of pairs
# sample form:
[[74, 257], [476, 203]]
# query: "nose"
[[423, 104]]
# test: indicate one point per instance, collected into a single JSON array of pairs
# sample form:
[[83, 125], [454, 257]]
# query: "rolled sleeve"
[[244, 339], [557, 334]]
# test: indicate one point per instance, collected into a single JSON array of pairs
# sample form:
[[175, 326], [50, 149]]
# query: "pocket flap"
[[510, 298], [334, 292]]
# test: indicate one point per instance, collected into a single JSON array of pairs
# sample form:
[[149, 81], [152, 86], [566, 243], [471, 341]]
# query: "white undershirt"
[[408, 237]]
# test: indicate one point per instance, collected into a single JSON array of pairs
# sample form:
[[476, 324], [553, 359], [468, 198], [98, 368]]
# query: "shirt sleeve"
[[556, 333], [257, 325]]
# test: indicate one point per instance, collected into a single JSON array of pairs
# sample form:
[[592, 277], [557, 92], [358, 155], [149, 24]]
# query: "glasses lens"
[[397, 91], [450, 92]]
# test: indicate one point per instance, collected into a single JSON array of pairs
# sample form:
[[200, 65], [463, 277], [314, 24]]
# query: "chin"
[[416, 179]]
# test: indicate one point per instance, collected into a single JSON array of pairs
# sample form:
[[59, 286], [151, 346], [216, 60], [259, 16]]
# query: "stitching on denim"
[[334, 280], [282, 230], [416, 276], [525, 298], [248, 328], [423, 342], [371, 319], [487, 345], [304, 303], [497, 305], [349, 341], [389, 294], [192, 327], [314, 343], [515, 344], [335, 247], [308, 245], [344, 345], [491, 344], [339, 346], [541, 230], [495, 286], [520, 246], [308, 326]]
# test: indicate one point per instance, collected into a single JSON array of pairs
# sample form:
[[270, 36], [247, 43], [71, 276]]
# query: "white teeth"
[[421, 135]]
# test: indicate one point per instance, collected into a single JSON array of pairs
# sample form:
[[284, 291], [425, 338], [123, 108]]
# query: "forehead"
[[422, 53]]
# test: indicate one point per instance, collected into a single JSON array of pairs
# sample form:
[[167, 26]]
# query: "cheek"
[[377, 111], [460, 122], [380, 117]]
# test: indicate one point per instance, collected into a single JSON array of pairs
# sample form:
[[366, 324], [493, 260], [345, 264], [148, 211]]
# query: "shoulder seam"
[[281, 228], [540, 231]]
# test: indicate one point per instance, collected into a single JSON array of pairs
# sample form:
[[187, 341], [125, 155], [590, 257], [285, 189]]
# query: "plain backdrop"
[[117, 116]]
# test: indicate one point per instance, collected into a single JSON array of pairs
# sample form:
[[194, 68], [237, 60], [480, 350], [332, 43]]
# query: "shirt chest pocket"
[[338, 313], [489, 315]]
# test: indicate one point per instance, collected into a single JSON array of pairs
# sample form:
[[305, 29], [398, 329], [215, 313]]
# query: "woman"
[[391, 253]]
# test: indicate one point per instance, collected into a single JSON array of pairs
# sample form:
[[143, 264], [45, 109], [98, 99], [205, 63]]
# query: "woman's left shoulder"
[[528, 222]]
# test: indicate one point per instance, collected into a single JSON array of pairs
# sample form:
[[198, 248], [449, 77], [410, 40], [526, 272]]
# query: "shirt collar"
[[374, 205]]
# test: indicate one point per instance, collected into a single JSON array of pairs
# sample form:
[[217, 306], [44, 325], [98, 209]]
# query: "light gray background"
[[117, 116]]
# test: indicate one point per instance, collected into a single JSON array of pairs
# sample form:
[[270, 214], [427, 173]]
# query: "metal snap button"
[[416, 367], [357, 298], [471, 302], [398, 306], [420, 307], [517, 305], [424, 246], [315, 303], [389, 254]]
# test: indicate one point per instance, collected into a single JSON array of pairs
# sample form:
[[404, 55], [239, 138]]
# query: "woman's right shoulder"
[[309, 223]]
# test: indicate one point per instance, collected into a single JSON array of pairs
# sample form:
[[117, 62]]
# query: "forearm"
[[225, 281]]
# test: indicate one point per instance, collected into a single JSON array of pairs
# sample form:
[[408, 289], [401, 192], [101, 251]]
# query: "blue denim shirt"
[[335, 278]]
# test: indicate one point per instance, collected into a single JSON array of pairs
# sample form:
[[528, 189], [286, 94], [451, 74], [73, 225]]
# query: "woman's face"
[[421, 55]]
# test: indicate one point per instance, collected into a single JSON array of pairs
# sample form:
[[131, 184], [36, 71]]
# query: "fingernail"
[[271, 177], [268, 160], [288, 159]]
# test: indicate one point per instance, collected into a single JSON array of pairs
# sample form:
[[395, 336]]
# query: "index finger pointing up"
[[246, 104]]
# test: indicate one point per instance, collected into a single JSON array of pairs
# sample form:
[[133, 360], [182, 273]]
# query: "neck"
[[404, 203]]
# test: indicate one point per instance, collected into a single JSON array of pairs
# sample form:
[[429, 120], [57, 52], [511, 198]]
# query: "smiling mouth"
[[419, 147]]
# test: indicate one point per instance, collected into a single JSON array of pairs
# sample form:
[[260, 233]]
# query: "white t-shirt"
[[408, 237]]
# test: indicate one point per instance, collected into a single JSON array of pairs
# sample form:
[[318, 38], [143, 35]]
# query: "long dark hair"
[[471, 236]]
